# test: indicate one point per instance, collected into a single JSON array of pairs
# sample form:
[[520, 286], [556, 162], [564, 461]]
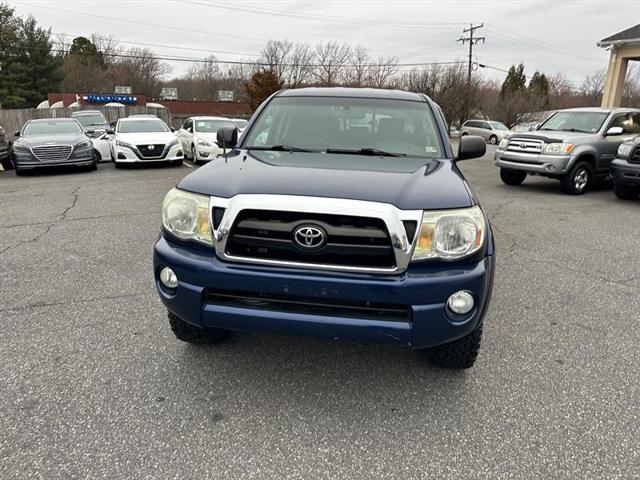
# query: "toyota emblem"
[[309, 237], [150, 147], [523, 145]]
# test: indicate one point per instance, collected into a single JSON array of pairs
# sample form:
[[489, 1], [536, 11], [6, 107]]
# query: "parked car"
[[575, 146], [491, 131], [145, 139], [52, 142], [198, 137], [528, 122], [94, 121], [352, 221], [5, 150], [241, 123], [625, 170]]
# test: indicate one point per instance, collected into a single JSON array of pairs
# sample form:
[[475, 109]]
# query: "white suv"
[[145, 140], [198, 137]]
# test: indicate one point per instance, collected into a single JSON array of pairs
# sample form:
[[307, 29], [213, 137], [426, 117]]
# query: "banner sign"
[[99, 98]]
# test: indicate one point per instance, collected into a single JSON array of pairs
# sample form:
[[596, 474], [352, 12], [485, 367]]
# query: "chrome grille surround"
[[52, 153], [525, 145]]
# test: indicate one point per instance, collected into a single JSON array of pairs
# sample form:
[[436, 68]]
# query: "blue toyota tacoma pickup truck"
[[338, 213]]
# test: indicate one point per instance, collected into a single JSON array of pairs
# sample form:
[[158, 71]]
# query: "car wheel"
[[459, 354], [97, 155], [493, 140], [625, 193], [194, 156], [512, 177], [578, 180], [192, 334]]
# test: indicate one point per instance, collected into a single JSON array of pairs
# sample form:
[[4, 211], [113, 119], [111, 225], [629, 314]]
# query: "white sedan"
[[145, 140], [198, 136]]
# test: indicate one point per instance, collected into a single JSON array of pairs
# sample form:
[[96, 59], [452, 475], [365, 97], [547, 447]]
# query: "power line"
[[472, 41]]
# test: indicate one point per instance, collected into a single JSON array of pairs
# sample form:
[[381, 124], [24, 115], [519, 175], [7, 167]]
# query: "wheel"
[[191, 334], [194, 156], [578, 180], [625, 193], [459, 354], [493, 140], [97, 155], [512, 177]]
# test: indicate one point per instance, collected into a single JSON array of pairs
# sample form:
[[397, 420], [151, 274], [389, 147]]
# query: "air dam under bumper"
[[423, 288]]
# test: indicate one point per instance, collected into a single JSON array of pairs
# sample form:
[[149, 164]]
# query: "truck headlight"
[[203, 143], [186, 215], [624, 150], [450, 234], [558, 148], [503, 143]]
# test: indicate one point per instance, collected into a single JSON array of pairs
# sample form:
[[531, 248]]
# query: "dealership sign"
[[110, 98]]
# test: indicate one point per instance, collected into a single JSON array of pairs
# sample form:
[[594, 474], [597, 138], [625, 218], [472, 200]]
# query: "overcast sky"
[[552, 36]]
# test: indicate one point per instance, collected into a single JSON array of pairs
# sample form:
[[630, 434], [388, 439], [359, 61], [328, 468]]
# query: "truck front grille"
[[287, 303], [151, 150], [525, 145], [350, 241], [52, 153]]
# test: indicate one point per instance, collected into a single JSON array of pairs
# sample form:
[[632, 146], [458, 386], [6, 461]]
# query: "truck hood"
[[146, 137], [407, 183], [553, 136]]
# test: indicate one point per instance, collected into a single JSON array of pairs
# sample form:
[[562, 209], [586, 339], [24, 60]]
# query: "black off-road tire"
[[573, 184], [625, 193], [198, 336], [459, 354], [512, 177]]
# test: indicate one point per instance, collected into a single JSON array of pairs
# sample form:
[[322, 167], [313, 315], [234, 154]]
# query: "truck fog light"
[[168, 278], [461, 302]]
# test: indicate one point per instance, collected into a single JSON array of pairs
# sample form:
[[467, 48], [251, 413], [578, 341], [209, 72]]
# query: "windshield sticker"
[[431, 149]]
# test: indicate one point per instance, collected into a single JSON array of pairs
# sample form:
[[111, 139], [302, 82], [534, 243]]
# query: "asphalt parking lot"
[[94, 385]]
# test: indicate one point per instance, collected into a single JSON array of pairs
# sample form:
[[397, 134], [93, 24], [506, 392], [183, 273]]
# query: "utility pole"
[[472, 41]]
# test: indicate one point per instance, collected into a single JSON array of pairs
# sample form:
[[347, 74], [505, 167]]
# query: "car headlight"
[[204, 143], [450, 234], [20, 148], [558, 148], [120, 143], [172, 143], [624, 150], [503, 143], [186, 215], [84, 145]]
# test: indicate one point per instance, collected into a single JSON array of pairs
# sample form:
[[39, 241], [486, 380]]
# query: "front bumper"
[[207, 153], [424, 288], [126, 155], [533, 163], [624, 173], [26, 161]]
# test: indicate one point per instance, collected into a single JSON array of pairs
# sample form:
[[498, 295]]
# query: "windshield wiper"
[[279, 148], [365, 151], [574, 130]]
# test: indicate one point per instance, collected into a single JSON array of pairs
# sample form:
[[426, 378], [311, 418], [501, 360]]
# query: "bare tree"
[[331, 58], [300, 69], [356, 74], [275, 55], [142, 70], [380, 74]]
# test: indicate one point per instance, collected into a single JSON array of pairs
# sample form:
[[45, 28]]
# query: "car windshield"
[[587, 122], [142, 126], [91, 120], [50, 128], [366, 126], [211, 126], [498, 126], [240, 123]]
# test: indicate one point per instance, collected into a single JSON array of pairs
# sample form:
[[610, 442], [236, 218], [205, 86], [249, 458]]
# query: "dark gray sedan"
[[52, 142]]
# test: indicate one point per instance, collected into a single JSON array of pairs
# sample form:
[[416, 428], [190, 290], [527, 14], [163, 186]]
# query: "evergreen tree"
[[539, 89], [29, 69], [263, 83], [86, 51], [515, 83]]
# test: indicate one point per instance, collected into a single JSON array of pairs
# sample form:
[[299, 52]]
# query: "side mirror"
[[16, 133], [109, 131], [613, 131], [471, 146], [172, 129], [227, 137]]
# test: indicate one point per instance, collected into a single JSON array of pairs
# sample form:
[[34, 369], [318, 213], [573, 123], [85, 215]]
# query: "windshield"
[[211, 126], [240, 123], [498, 126], [91, 120], [142, 126], [51, 128], [587, 122], [347, 125]]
